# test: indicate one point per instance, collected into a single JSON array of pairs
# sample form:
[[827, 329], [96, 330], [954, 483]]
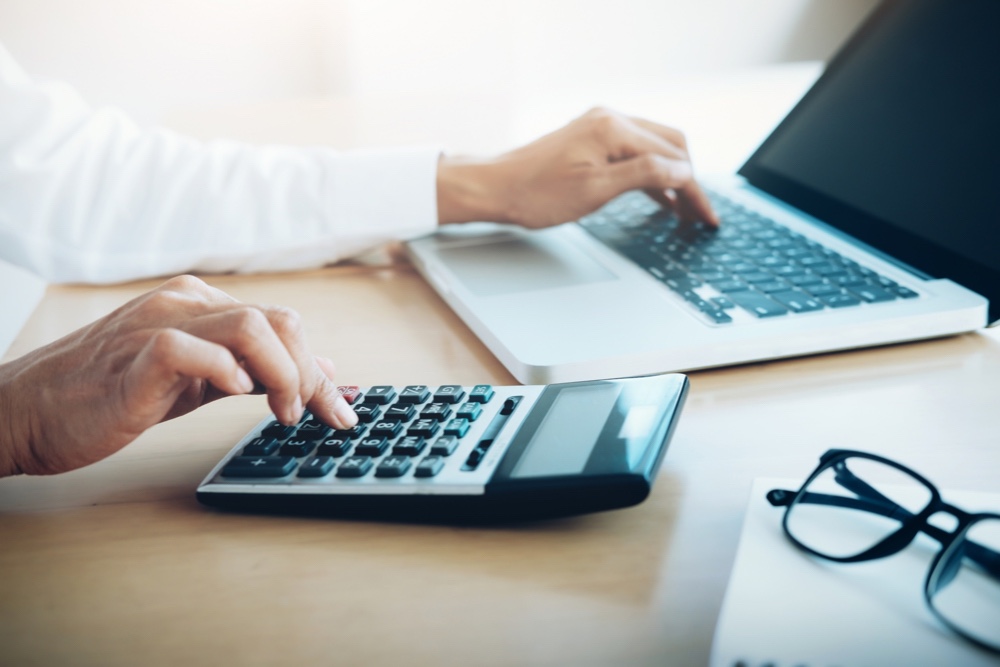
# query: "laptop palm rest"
[[511, 263]]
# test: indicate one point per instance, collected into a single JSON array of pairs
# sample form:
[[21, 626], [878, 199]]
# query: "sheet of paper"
[[785, 608], [20, 292]]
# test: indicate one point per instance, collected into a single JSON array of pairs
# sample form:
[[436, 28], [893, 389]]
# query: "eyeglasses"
[[893, 505]]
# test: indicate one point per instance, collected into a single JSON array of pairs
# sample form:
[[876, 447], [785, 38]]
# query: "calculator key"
[[400, 412], [474, 458], [367, 412], [317, 466], [429, 466], [449, 393], [380, 394], [409, 445], [414, 393], [312, 430], [277, 430], [374, 446], [426, 428], [393, 466], [334, 447], [261, 447], [481, 393], [355, 466], [470, 411], [259, 466], [444, 446], [349, 433], [510, 405], [351, 394], [457, 427], [386, 429], [436, 411], [297, 448]]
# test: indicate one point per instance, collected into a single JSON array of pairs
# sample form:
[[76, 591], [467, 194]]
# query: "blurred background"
[[160, 59]]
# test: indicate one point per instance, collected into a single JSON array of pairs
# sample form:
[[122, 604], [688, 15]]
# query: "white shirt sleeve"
[[87, 195]]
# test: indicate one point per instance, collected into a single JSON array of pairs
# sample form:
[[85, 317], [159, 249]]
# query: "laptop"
[[868, 216]]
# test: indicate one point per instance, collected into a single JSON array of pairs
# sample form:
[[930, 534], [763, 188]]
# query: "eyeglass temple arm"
[[986, 558]]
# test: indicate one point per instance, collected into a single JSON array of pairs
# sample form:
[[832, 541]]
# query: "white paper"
[[786, 608], [20, 292]]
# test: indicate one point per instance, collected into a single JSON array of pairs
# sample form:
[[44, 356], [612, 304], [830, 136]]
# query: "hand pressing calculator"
[[455, 453]]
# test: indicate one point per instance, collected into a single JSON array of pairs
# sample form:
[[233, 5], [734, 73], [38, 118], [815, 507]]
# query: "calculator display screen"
[[563, 440]]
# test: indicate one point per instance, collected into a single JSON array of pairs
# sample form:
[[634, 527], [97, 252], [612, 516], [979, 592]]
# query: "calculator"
[[474, 454]]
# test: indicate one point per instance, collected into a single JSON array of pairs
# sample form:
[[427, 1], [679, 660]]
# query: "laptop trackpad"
[[522, 264]]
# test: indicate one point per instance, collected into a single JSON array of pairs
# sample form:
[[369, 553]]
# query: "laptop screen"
[[898, 143]]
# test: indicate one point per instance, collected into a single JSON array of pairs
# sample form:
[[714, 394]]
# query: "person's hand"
[[159, 356], [572, 172]]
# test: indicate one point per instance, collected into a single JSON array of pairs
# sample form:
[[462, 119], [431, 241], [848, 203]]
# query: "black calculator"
[[460, 453]]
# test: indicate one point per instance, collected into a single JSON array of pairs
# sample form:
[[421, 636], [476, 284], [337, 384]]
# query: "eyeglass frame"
[[910, 526]]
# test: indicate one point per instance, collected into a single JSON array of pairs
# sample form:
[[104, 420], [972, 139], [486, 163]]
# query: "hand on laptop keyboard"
[[572, 172]]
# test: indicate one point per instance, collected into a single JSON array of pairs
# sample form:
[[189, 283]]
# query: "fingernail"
[[344, 412], [244, 381]]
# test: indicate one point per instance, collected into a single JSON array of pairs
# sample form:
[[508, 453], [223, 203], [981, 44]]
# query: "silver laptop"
[[869, 216]]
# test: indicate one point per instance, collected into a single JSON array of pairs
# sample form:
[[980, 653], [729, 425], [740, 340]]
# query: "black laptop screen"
[[898, 143]]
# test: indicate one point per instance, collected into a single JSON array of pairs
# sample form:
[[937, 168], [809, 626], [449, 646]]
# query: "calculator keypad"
[[406, 432]]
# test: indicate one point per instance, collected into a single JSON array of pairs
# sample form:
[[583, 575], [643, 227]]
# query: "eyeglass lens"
[[965, 585], [825, 517]]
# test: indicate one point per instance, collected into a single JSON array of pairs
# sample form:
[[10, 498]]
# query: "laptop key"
[[718, 316], [840, 300], [758, 304], [872, 294], [695, 298], [805, 280], [730, 286], [797, 301], [772, 286], [722, 302], [756, 277], [823, 289]]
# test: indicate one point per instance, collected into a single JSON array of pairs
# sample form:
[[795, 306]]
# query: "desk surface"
[[117, 564]]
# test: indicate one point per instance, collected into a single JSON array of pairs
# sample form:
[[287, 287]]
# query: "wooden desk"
[[117, 564]]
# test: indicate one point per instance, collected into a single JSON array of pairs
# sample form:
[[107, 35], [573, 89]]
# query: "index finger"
[[692, 202]]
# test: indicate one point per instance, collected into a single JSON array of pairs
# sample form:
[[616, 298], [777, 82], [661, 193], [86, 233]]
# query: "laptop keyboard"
[[750, 264]]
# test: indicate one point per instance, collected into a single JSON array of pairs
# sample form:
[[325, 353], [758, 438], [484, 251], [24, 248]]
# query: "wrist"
[[470, 190]]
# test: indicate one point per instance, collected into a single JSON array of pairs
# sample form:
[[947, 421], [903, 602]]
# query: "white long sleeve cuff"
[[89, 196]]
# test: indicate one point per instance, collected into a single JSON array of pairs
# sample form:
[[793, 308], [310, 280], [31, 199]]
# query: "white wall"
[[154, 57]]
